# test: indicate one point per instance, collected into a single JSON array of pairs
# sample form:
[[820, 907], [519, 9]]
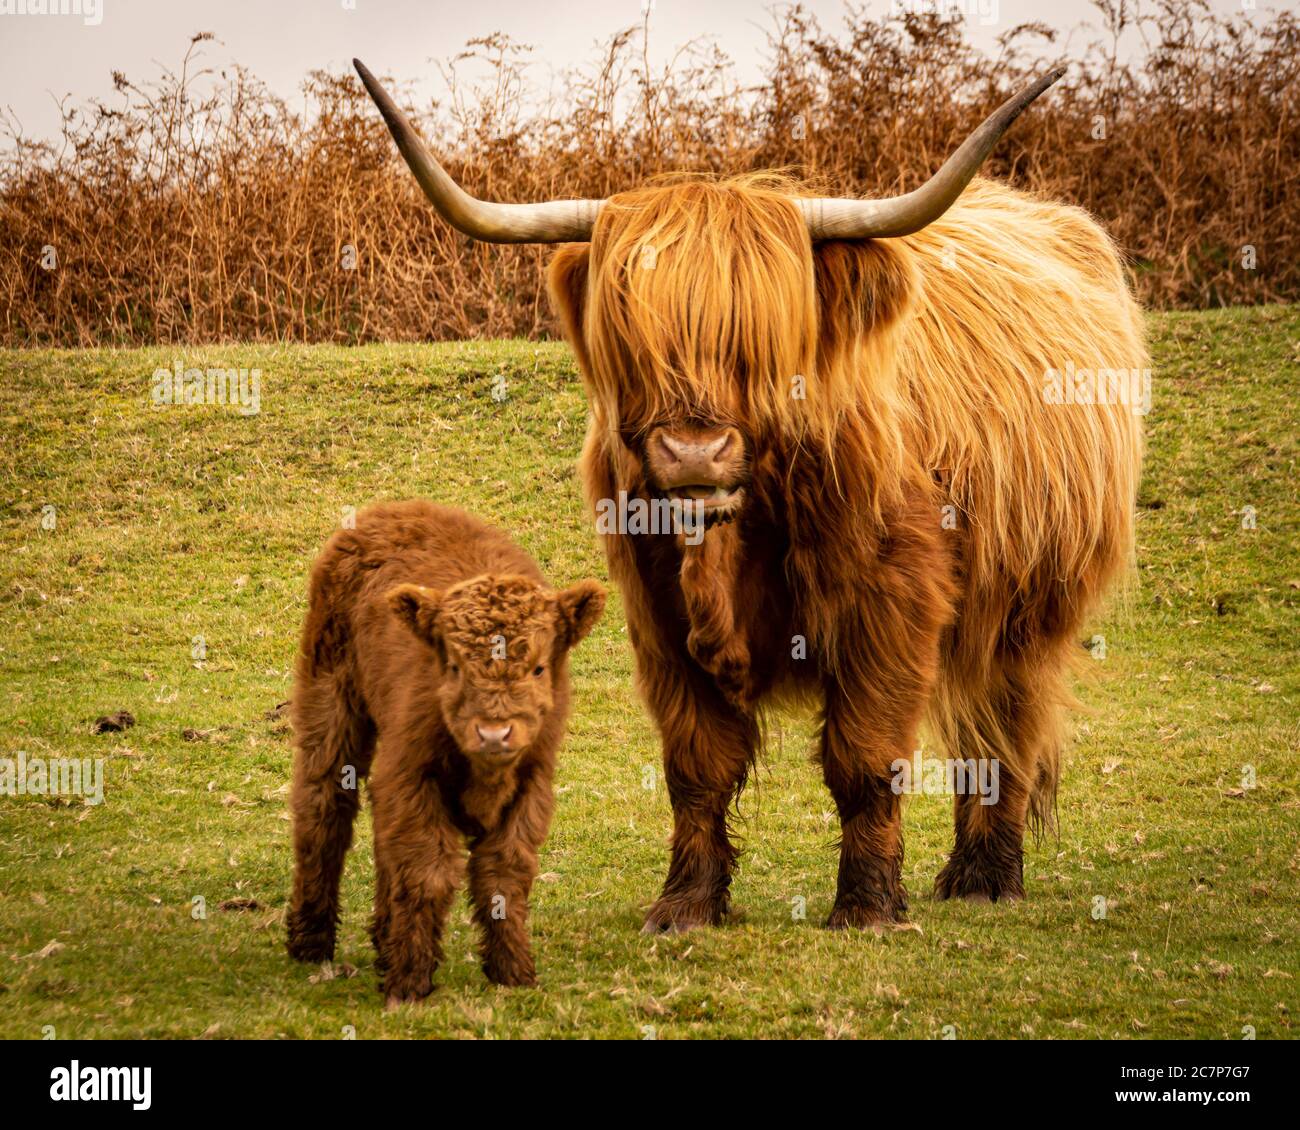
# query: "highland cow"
[[436, 636], [906, 520]]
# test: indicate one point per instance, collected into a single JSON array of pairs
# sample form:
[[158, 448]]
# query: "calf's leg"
[[419, 864], [502, 867], [335, 741]]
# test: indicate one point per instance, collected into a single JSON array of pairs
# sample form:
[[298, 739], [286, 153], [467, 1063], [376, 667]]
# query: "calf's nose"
[[493, 739]]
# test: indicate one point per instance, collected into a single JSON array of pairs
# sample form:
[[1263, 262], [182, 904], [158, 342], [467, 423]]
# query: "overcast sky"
[[47, 56]]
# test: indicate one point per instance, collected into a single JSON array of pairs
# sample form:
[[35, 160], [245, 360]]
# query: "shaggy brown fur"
[[911, 528], [437, 635]]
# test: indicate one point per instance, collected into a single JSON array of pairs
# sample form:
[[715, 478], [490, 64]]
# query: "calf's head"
[[501, 643]]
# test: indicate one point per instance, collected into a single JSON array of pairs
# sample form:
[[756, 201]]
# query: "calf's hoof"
[[511, 976], [312, 945], [410, 988]]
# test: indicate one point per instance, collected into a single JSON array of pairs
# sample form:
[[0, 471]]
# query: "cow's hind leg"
[[335, 739], [877, 688], [1015, 753]]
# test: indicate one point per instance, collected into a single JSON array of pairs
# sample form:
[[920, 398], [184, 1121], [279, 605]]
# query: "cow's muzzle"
[[706, 466]]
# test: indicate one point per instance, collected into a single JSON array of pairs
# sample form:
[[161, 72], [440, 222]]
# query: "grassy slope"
[[197, 521]]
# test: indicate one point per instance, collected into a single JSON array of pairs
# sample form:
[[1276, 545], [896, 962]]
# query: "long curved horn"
[[553, 221], [832, 218]]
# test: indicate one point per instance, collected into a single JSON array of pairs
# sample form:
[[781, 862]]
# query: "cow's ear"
[[864, 287], [567, 281], [579, 607], [417, 608]]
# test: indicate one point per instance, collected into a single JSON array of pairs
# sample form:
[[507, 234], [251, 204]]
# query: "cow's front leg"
[[856, 766], [709, 745]]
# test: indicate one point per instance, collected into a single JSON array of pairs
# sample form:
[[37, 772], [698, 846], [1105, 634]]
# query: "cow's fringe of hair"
[[685, 282]]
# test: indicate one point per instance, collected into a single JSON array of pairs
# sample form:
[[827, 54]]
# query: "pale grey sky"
[[47, 56]]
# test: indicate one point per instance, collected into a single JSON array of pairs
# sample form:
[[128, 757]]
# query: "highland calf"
[[436, 635]]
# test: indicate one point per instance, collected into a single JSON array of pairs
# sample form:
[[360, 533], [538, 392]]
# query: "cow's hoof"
[[977, 885], [397, 999], [857, 917], [410, 988], [669, 917]]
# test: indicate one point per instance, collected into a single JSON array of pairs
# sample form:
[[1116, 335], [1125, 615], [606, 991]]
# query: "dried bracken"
[[202, 208]]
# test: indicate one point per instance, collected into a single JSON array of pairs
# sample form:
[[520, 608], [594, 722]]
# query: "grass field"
[[183, 522]]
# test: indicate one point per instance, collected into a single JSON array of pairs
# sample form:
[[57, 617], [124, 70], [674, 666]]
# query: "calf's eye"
[[539, 669]]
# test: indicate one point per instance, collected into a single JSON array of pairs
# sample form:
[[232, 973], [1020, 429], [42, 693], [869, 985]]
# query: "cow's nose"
[[698, 457], [708, 449], [493, 739]]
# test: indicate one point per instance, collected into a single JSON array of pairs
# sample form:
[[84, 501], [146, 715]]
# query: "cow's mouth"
[[701, 469], [708, 494], [714, 502]]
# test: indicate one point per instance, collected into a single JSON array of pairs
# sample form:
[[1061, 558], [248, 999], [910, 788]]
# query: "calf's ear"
[[580, 607], [417, 608]]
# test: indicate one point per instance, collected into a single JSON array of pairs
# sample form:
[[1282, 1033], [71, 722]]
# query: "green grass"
[[197, 521]]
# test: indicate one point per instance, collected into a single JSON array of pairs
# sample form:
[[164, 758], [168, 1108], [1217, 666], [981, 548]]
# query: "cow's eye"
[[539, 669], [455, 670]]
